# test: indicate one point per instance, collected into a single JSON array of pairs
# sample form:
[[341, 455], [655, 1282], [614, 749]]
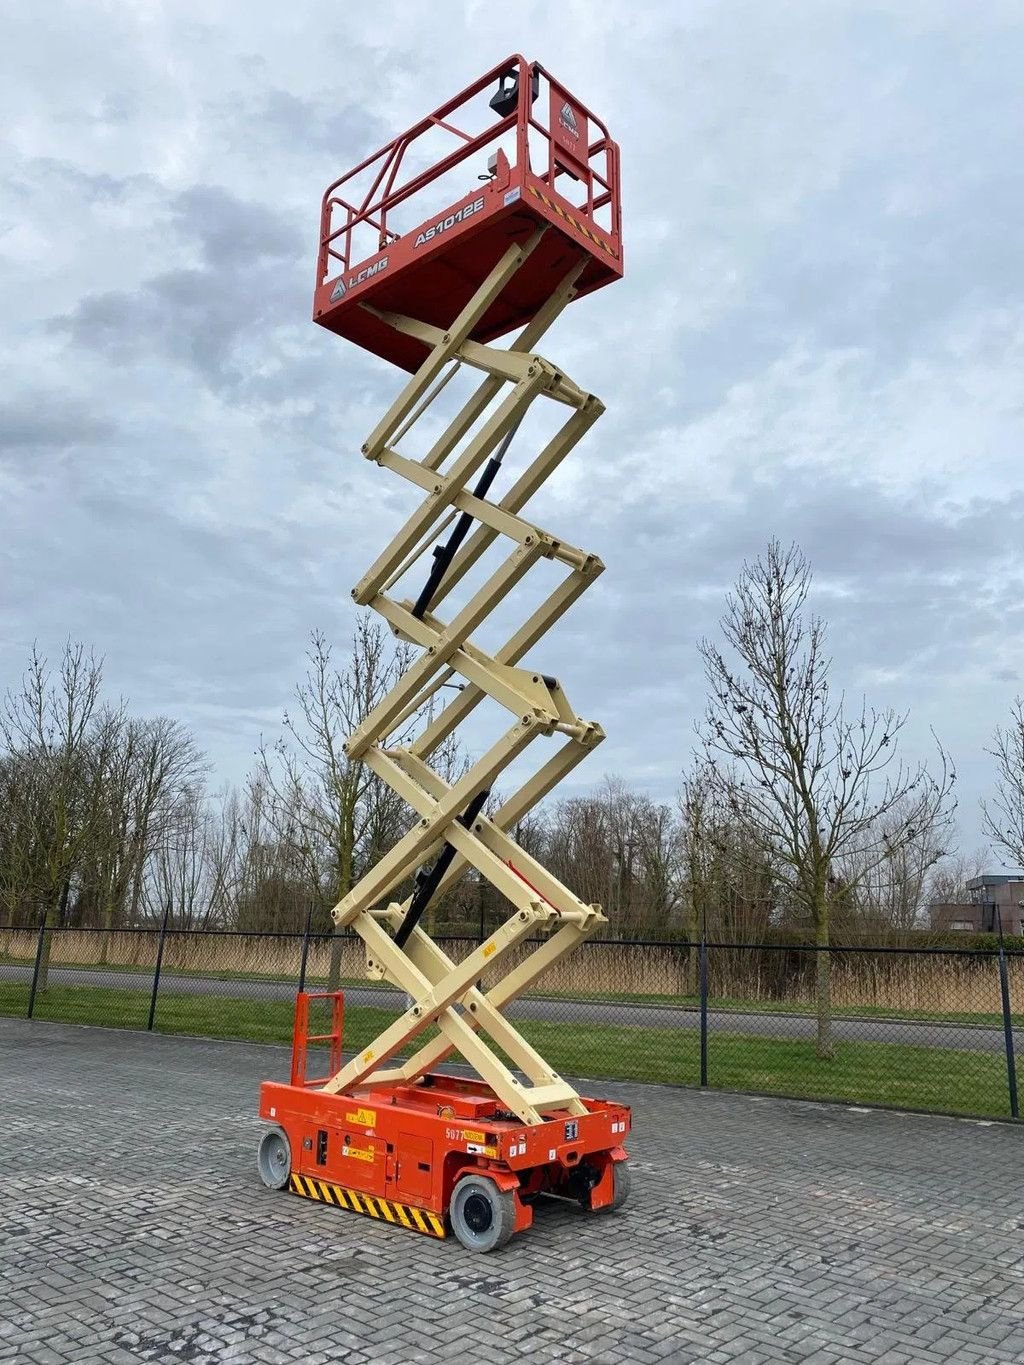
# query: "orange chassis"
[[398, 1153]]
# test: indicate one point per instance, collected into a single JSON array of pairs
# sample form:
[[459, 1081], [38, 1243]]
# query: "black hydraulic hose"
[[428, 881], [444, 554]]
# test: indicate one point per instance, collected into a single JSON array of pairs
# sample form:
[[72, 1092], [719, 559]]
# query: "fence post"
[[1011, 1064], [159, 964], [35, 969], [305, 949], [703, 1013]]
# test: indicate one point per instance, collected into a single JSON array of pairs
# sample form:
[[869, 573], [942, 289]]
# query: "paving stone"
[[760, 1232]]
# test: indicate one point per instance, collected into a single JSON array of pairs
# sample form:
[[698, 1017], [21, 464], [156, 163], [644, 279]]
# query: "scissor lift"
[[387, 1134]]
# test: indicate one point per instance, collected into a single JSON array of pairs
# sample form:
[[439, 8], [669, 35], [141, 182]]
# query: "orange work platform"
[[400, 236]]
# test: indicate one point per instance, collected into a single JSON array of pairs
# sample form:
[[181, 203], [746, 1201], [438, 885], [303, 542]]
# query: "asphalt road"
[[757, 1024]]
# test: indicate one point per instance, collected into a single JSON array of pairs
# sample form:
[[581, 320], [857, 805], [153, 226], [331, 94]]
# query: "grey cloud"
[[113, 108], [248, 285], [884, 230], [71, 184], [915, 586], [190, 316], [859, 536], [234, 234], [222, 611], [330, 123], [33, 423]]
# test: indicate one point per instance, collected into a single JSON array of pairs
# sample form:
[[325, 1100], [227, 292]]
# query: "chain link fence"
[[920, 1028]]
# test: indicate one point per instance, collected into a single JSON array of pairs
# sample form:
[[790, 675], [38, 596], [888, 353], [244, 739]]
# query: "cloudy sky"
[[819, 336]]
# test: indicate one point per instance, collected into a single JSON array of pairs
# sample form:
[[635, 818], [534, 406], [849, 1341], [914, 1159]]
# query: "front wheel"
[[274, 1158], [482, 1216]]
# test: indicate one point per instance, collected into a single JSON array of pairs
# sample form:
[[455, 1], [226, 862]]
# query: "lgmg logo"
[[567, 118], [367, 273]]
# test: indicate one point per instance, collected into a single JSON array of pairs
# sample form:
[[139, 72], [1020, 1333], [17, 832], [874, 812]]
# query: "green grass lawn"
[[944, 1079]]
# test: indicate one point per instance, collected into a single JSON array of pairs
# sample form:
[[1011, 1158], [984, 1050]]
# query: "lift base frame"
[[396, 1153]]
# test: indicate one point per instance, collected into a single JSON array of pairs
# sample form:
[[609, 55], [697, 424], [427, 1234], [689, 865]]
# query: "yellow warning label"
[[580, 227], [405, 1215], [491, 947], [471, 1135], [363, 1118], [358, 1153]]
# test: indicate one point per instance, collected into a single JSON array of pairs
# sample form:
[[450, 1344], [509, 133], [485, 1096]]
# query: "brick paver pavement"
[[133, 1228]]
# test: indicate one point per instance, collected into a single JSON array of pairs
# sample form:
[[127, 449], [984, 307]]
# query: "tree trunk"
[[44, 956], [53, 918], [334, 966], [823, 978], [690, 985], [344, 863], [692, 956], [108, 920]]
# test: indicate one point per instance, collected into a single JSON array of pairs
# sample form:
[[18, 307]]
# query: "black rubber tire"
[[482, 1216], [274, 1158], [622, 1183]]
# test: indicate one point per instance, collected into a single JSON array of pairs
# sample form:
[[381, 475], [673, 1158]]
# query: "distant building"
[[992, 898]]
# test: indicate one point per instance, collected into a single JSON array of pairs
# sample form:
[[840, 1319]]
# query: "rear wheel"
[[622, 1183], [274, 1158], [482, 1216]]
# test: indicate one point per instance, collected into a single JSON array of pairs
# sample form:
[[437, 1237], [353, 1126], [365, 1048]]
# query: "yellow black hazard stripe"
[[580, 227], [370, 1205]]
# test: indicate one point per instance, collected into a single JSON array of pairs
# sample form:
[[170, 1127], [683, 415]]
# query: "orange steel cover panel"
[[548, 162]]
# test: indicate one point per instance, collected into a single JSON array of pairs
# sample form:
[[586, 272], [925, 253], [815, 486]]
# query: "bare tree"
[[947, 881], [579, 849], [818, 782], [620, 849], [193, 870], [887, 896], [1003, 816], [336, 815], [657, 870], [728, 881], [328, 808], [25, 800], [50, 734], [85, 794], [177, 881], [151, 776], [697, 841]]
